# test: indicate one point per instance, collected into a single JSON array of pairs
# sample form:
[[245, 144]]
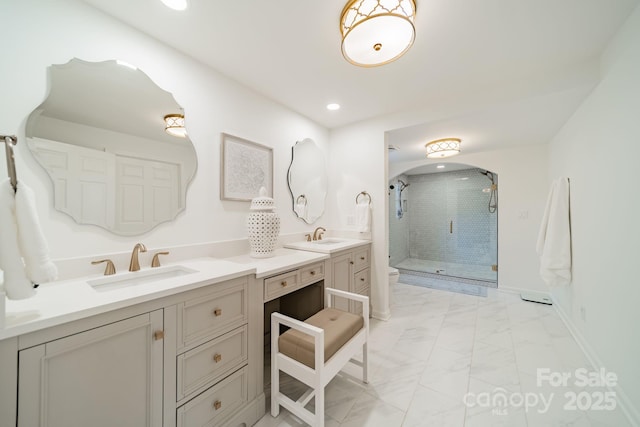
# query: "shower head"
[[488, 175], [403, 184]]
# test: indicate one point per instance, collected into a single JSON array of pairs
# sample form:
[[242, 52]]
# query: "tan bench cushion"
[[339, 327]]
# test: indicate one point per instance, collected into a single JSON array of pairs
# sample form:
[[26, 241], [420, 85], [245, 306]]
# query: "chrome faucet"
[[317, 234], [134, 265]]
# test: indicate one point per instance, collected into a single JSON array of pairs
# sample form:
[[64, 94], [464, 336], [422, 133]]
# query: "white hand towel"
[[16, 283], [363, 217], [301, 210], [554, 238], [33, 246]]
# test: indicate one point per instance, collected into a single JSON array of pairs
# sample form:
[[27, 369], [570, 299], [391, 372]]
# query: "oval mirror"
[[100, 135], [307, 179]]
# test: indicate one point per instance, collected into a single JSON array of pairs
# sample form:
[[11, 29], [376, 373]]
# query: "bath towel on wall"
[[554, 238], [24, 255]]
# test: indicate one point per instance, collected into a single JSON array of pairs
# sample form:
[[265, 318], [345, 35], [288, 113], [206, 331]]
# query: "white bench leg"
[[275, 372], [365, 362], [319, 401]]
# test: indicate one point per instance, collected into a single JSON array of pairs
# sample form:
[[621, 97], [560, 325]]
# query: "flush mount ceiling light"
[[376, 32], [444, 147], [174, 125], [333, 107]]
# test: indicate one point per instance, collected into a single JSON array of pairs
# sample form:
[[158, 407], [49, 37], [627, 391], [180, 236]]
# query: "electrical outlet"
[[583, 313], [523, 215]]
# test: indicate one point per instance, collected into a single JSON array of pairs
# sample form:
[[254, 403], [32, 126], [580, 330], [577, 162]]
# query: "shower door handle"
[[450, 227]]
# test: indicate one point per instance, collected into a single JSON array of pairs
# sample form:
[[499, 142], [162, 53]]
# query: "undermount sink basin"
[[119, 281], [329, 241]]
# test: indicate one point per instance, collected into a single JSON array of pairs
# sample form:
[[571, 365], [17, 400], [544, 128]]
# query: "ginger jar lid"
[[262, 202]]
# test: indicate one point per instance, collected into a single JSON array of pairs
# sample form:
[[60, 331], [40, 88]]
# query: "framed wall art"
[[246, 166]]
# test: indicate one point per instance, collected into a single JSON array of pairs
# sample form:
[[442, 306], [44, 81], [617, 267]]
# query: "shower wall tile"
[[449, 218]]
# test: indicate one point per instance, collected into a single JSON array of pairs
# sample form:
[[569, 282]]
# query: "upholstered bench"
[[315, 350]]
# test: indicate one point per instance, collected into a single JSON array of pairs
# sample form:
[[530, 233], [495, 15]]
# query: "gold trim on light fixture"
[[444, 147], [174, 125], [375, 32]]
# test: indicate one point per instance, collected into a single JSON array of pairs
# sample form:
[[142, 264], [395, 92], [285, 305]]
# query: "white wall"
[[38, 33], [598, 149], [358, 163]]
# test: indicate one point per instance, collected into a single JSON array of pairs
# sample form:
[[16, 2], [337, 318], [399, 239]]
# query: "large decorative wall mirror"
[[307, 179], [100, 135]]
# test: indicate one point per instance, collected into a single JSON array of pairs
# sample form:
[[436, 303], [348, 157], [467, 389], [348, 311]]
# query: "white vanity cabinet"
[[210, 355], [110, 375], [193, 358], [351, 271]]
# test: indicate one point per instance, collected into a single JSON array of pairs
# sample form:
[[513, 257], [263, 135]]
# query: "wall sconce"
[[445, 147], [174, 125], [376, 32]]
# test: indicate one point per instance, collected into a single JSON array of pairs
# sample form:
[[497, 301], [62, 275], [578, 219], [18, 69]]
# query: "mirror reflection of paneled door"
[[147, 193], [83, 178]]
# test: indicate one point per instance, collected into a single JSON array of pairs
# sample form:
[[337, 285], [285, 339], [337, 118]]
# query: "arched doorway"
[[443, 222]]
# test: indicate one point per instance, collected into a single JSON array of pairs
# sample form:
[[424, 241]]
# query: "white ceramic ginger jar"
[[263, 226]]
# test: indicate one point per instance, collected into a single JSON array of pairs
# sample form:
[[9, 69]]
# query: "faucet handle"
[[308, 236], [155, 262], [110, 269]]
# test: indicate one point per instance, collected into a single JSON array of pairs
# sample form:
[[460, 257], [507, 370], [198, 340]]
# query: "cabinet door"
[[108, 376], [342, 278]]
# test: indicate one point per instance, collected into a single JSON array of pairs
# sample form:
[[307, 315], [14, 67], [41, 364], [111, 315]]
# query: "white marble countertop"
[[59, 302], [282, 260], [328, 245], [67, 300]]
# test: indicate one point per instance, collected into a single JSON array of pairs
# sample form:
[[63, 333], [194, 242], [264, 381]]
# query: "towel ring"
[[304, 199], [9, 142], [363, 193]]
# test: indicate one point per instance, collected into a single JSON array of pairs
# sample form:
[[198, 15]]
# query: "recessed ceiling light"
[[333, 107], [440, 166], [175, 4]]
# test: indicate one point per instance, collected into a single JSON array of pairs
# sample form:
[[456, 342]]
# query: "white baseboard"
[[381, 315], [625, 403]]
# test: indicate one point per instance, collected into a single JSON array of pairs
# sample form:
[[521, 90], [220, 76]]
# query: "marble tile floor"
[[447, 359]]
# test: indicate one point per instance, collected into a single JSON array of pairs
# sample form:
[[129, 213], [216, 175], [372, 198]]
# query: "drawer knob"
[[283, 284], [217, 357], [362, 258], [217, 405], [217, 312], [158, 335], [362, 279], [313, 273], [351, 262]]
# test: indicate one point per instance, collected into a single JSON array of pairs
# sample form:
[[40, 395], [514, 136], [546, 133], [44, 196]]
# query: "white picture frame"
[[246, 166]]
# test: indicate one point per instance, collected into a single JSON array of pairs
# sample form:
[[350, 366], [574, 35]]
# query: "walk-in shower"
[[447, 225]]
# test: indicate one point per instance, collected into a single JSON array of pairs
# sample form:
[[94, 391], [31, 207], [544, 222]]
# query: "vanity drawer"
[[361, 259], [312, 273], [212, 407], [204, 317], [362, 280], [281, 284], [202, 365]]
